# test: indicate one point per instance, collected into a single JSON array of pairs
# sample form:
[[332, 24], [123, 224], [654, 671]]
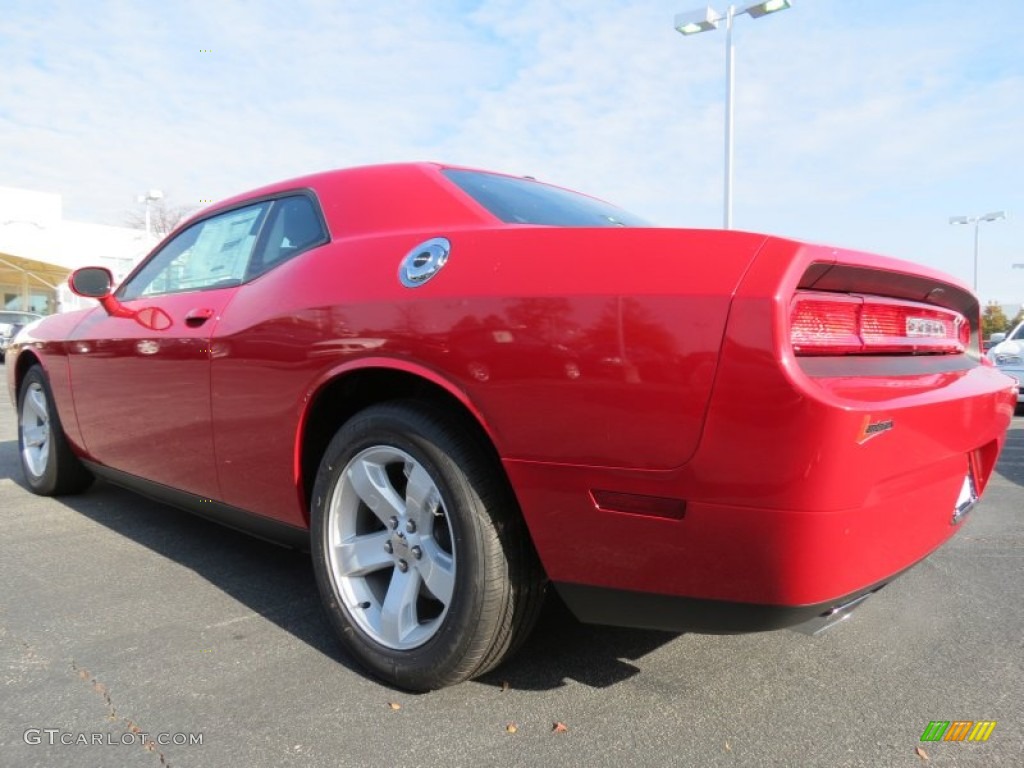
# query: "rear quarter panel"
[[574, 346], [594, 347]]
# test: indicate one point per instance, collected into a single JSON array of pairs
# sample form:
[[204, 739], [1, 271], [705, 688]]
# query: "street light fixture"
[[704, 20], [976, 221], [152, 196]]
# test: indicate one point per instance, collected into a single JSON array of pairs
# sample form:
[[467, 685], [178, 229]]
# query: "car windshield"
[[526, 201]]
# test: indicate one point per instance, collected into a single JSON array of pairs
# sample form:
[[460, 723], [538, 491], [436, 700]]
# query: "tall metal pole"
[[977, 221], [977, 224], [730, 56]]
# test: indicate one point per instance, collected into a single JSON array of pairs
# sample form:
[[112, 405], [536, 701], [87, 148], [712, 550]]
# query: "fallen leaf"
[[727, 747], [83, 674], [559, 727], [920, 753], [511, 727], [505, 686], [395, 706]]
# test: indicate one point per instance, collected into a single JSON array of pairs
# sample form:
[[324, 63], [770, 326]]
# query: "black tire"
[[54, 470], [496, 583]]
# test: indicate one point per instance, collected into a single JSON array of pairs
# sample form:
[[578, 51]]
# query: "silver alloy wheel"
[[390, 548], [35, 430]]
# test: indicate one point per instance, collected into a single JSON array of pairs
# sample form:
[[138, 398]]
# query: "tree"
[[1018, 318], [162, 216], [993, 320]]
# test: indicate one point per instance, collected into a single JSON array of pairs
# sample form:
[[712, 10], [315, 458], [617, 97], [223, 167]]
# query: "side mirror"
[[92, 282], [995, 338], [98, 283]]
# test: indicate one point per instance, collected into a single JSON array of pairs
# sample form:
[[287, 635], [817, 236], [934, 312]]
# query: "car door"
[[268, 356], [142, 382]]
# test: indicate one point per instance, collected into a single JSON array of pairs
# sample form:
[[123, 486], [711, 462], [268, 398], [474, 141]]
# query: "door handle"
[[198, 316]]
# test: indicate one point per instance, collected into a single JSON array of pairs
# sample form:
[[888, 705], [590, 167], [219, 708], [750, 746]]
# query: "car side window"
[[212, 253], [293, 226]]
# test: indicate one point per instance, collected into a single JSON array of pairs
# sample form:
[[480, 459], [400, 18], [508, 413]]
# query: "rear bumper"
[[601, 605], [791, 506], [807, 560]]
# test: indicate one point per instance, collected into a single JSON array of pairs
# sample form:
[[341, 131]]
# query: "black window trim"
[[272, 198], [264, 234]]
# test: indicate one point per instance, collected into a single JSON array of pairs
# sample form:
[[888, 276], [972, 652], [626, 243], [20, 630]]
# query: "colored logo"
[[871, 429], [958, 730]]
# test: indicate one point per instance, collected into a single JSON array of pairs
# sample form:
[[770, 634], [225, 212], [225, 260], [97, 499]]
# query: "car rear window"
[[525, 201]]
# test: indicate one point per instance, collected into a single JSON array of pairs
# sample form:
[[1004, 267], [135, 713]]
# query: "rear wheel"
[[421, 556], [49, 465]]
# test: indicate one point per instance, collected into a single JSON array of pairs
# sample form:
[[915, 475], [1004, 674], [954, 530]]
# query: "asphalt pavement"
[[121, 617]]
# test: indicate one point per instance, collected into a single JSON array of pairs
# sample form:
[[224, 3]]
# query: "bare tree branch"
[[162, 216]]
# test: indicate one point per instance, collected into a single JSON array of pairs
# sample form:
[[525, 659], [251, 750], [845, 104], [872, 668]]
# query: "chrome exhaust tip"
[[829, 619]]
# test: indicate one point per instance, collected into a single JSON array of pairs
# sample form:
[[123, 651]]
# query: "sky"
[[859, 123]]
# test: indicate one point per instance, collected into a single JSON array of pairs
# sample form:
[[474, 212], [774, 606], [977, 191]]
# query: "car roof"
[[377, 198]]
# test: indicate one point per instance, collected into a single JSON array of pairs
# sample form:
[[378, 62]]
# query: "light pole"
[[976, 221], [704, 20], [151, 196]]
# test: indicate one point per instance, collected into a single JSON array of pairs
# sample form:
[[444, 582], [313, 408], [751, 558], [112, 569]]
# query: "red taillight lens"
[[825, 326], [838, 324]]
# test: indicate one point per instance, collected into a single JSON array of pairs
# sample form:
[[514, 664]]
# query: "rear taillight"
[[840, 324]]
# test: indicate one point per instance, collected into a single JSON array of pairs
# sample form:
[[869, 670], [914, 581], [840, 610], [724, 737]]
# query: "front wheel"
[[49, 465], [423, 562]]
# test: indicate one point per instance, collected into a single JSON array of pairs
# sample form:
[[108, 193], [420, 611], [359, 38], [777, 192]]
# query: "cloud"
[[863, 126]]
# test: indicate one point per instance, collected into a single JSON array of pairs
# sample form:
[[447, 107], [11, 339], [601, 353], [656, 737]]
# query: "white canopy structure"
[[39, 249]]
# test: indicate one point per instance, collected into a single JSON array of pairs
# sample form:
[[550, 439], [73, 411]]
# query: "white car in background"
[[1008, 356], [11, 322]]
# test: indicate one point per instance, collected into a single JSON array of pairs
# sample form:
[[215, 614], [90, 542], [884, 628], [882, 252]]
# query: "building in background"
[[39, 248]]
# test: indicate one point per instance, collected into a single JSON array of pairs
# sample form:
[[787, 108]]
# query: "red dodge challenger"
[[457, 387]]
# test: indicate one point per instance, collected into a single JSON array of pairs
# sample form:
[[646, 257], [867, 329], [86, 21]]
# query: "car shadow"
[[278, 584], [561, 648], [274, 582]]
